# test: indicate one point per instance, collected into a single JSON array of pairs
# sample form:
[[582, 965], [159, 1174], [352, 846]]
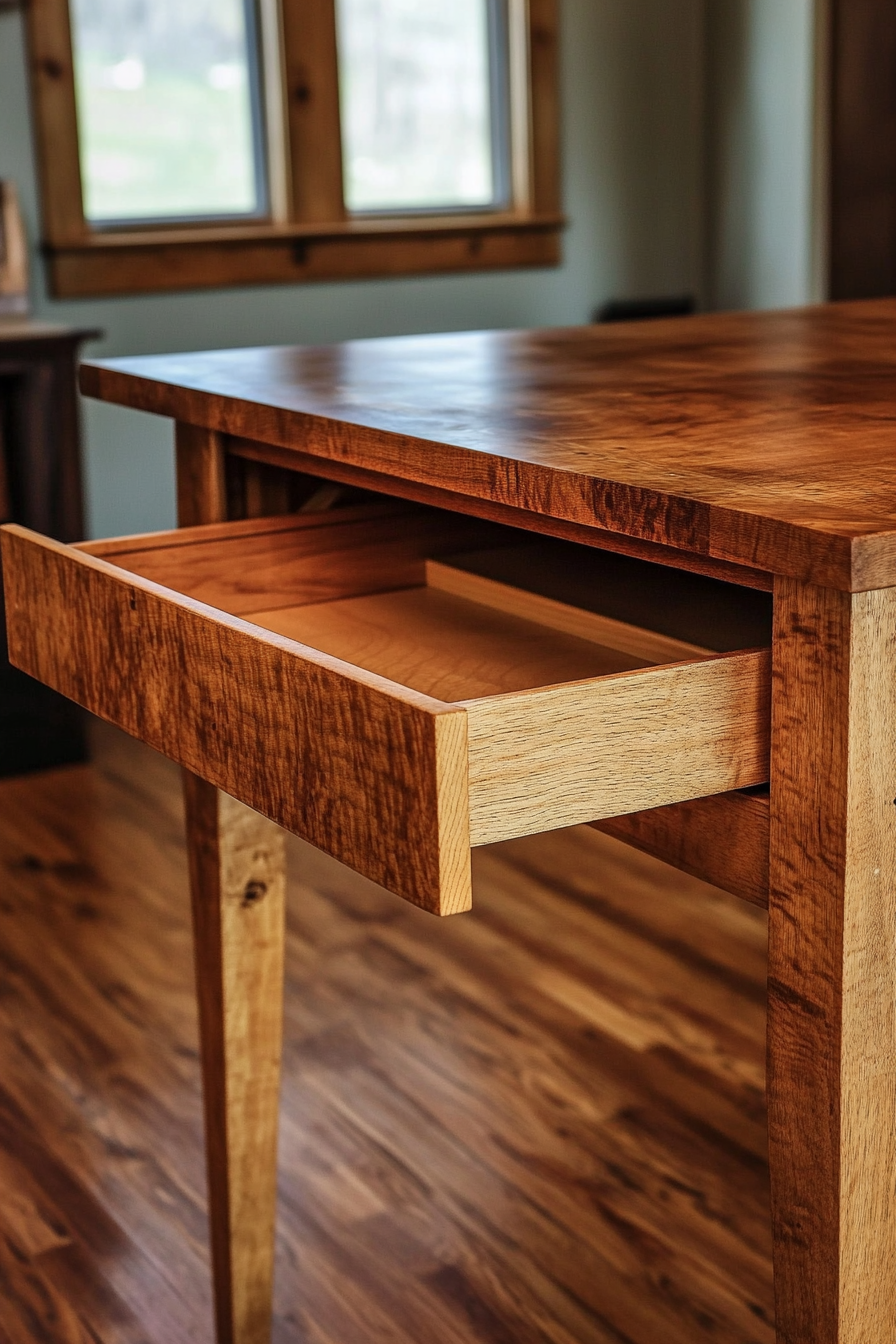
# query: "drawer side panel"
[[624, 743], [359, 772]]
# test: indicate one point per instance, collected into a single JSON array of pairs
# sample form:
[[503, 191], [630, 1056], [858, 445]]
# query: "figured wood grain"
[[340, 756], [238, 884], [757, 438], [554, 758], [622, 743], [237, 868], [642, 643], [146, 547], [291, 459], [832, 967], [722, 839], [445, 646], [252, 566], [201, 480]]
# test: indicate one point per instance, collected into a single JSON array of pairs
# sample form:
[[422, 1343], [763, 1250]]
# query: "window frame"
[[308, 235]]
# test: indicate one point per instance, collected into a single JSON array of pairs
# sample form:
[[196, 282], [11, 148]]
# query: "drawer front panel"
[[373, 774]]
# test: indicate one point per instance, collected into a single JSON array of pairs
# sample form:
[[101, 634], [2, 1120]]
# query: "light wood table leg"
[[832, 966], [238, 885], [237, 878]]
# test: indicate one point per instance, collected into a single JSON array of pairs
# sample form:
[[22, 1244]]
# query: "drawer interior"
[[446, 645], [449, 606]]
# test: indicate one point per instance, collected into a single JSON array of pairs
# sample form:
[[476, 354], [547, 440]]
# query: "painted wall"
[[760, 230], [632, 173], [635, 75]]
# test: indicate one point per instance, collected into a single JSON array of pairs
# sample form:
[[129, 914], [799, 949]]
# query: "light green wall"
[[760, 98], [632, 83]]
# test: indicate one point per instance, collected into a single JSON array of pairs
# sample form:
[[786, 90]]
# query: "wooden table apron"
[[755, 447]]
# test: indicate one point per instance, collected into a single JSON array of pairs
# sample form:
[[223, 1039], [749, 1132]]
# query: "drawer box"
[[350, 677]]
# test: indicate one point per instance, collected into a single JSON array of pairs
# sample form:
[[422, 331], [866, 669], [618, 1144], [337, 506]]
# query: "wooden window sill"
[[144, 261]]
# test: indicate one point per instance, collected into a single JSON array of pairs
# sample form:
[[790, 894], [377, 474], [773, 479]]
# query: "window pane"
[[168, 117], [416, 102]]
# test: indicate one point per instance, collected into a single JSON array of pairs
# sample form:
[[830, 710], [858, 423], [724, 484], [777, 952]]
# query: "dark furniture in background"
[[40, 486]]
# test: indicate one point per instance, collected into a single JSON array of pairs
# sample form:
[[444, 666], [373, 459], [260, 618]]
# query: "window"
[[168, 110], [422, 100], [208, 142]]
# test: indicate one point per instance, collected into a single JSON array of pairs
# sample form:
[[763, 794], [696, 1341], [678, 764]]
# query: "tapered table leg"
[[832, 966], [237, 881]]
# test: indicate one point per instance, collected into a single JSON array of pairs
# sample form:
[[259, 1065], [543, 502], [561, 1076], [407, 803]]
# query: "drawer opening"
[[452, 607], [691, 608]]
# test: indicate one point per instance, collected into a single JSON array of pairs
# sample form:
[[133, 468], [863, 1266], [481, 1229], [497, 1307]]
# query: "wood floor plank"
[[542, 1123], [33, 1307]]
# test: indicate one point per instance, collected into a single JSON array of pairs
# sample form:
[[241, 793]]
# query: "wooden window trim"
[[309, 236]]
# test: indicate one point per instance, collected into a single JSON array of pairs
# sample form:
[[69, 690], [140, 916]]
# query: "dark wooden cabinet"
[[40, 486]]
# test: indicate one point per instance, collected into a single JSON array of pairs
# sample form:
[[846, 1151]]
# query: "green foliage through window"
[[168, 113]]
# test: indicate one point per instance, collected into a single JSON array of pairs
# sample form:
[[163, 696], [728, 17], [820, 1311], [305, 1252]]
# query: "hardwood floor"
[[541, 1123]]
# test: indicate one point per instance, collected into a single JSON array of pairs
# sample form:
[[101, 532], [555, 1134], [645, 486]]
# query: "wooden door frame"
[[861, 158]]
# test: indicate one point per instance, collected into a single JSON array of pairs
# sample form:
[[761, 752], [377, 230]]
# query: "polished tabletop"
[[766, 439]]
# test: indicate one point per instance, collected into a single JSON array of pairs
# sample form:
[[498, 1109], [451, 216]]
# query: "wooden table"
[[751, 453]]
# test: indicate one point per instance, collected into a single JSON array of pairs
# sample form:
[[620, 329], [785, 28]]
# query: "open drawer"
[[351, 677]]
